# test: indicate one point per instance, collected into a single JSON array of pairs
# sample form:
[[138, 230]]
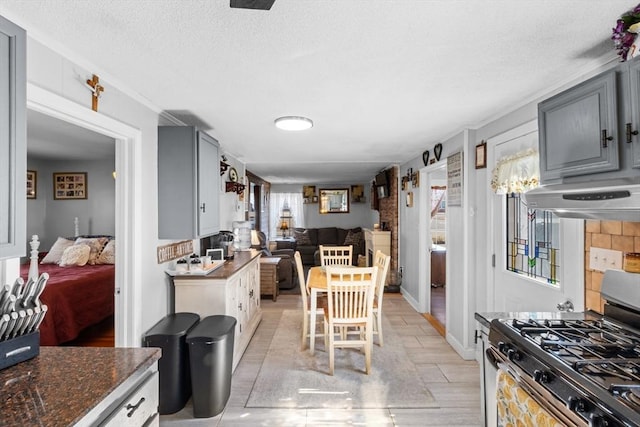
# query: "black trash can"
[[170, 335], [211, 359]]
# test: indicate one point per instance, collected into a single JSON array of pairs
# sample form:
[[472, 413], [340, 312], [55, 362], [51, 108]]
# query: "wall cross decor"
[[96, 90]]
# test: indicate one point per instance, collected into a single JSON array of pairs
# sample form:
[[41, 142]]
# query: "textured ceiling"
[[382, 80]]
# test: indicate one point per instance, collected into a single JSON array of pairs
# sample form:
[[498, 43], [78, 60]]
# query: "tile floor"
[[454, 382]]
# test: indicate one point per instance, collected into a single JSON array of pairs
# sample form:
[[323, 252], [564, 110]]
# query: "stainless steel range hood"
[[615, 199]]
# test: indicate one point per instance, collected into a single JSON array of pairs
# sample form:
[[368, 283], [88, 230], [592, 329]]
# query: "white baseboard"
[[465, 353]]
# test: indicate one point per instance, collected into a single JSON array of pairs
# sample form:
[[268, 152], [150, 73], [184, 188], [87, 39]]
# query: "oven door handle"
[[492, 356], [500, 362]]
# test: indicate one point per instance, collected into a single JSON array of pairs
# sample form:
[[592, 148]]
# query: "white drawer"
[[138, 407]]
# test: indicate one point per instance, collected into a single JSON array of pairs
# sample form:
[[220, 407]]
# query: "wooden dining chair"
[[350, 293], [306, 303], [381, 261], [335, 255]]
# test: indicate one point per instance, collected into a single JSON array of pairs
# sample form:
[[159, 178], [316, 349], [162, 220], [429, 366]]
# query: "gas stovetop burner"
[[580, 339], [615, 373]]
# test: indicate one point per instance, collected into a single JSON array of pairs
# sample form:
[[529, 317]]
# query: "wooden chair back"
[[381, 261], [350, 293], [335, 255], [304, 291]]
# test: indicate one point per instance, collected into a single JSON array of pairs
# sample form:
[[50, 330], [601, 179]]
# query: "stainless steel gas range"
[[582, 372]]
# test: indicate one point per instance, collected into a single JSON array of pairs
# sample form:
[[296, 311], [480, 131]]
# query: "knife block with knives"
[[21, 313]]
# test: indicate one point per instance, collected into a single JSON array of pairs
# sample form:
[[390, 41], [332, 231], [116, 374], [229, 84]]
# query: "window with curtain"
[[533, 244], [277, 203]]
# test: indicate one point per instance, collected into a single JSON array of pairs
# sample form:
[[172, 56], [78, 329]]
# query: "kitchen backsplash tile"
[[617, 235]]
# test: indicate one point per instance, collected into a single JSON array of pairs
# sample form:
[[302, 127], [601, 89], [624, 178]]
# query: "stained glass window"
[[533, 244]]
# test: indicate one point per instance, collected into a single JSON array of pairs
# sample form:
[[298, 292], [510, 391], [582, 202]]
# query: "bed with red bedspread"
[[77, 297]]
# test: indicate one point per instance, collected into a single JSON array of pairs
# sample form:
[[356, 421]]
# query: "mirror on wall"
[[335, 200]]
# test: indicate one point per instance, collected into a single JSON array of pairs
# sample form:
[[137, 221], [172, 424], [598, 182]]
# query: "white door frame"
[[424, 232], [128, 275]]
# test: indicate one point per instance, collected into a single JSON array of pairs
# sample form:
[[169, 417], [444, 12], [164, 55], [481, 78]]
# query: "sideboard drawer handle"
[[132, 408]]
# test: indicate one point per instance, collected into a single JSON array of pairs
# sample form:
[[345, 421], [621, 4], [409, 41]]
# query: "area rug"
[[293, 378]]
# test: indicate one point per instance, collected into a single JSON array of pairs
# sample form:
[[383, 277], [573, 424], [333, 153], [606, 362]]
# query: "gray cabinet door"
[[579, 131], [13, 140], [188, 183], [208, 185], [634, 123]]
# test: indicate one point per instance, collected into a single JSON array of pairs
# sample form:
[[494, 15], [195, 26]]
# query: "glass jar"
[[631, 263]]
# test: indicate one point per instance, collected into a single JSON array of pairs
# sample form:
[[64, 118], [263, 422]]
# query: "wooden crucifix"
[[96, 91]]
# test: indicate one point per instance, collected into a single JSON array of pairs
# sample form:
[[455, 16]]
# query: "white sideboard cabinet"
[[232, 290], [188, 183], [13, 140]]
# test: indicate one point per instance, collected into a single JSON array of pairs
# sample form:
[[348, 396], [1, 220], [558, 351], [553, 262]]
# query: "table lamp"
[[284, 227]]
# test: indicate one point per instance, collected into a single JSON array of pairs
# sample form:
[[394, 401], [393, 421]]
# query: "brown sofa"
[[309, 239]]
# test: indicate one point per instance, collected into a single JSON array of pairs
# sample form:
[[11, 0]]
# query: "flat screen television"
[[382, 191], [382, 185], [382, 179]]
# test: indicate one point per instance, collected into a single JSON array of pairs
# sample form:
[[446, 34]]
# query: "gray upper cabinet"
[[632, 122], [579, 130], [13, 140], [188, 183]]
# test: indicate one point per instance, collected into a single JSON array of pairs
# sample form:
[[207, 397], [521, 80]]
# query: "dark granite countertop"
[[485, 318], [62, 384]]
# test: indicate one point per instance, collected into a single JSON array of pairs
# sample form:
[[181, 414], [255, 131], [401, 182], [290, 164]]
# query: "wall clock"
[[233, 175]]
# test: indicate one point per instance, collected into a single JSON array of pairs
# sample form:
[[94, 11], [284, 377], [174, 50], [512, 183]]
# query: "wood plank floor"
[[437, 317], [454, 382], [99, 335]]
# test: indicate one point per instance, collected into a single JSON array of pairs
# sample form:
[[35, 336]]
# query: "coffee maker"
[[222, 240]]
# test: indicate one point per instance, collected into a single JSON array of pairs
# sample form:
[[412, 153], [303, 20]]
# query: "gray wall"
[[49, 218], [360, 214], [467, 289]]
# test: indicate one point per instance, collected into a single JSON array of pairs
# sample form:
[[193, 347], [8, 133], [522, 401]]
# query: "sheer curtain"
[[517, 173], [277, 202]]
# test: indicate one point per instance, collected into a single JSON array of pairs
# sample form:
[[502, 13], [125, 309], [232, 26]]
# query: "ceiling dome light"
[[293, 123]]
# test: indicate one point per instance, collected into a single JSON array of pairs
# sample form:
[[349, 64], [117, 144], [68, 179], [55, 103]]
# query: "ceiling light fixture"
[[293, 123]]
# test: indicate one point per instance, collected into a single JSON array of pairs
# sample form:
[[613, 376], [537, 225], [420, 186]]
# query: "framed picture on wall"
[[357, 194], [309, 194], [481, 155], [410, 199], [32, 182], [69, 185]]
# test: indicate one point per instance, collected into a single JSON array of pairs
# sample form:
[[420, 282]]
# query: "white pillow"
[[56, 251], [75, 255], [108, 254], [95, 244]]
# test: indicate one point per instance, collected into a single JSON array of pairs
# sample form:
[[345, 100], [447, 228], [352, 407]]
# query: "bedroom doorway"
[[128, 190], [55, 145]]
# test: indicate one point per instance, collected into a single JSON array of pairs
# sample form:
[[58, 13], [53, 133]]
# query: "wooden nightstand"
[[269, 277]]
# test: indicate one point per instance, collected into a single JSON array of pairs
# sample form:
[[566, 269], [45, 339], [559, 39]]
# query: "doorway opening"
[[55, 145], [436, 248], [438, 220], [128, 217]]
